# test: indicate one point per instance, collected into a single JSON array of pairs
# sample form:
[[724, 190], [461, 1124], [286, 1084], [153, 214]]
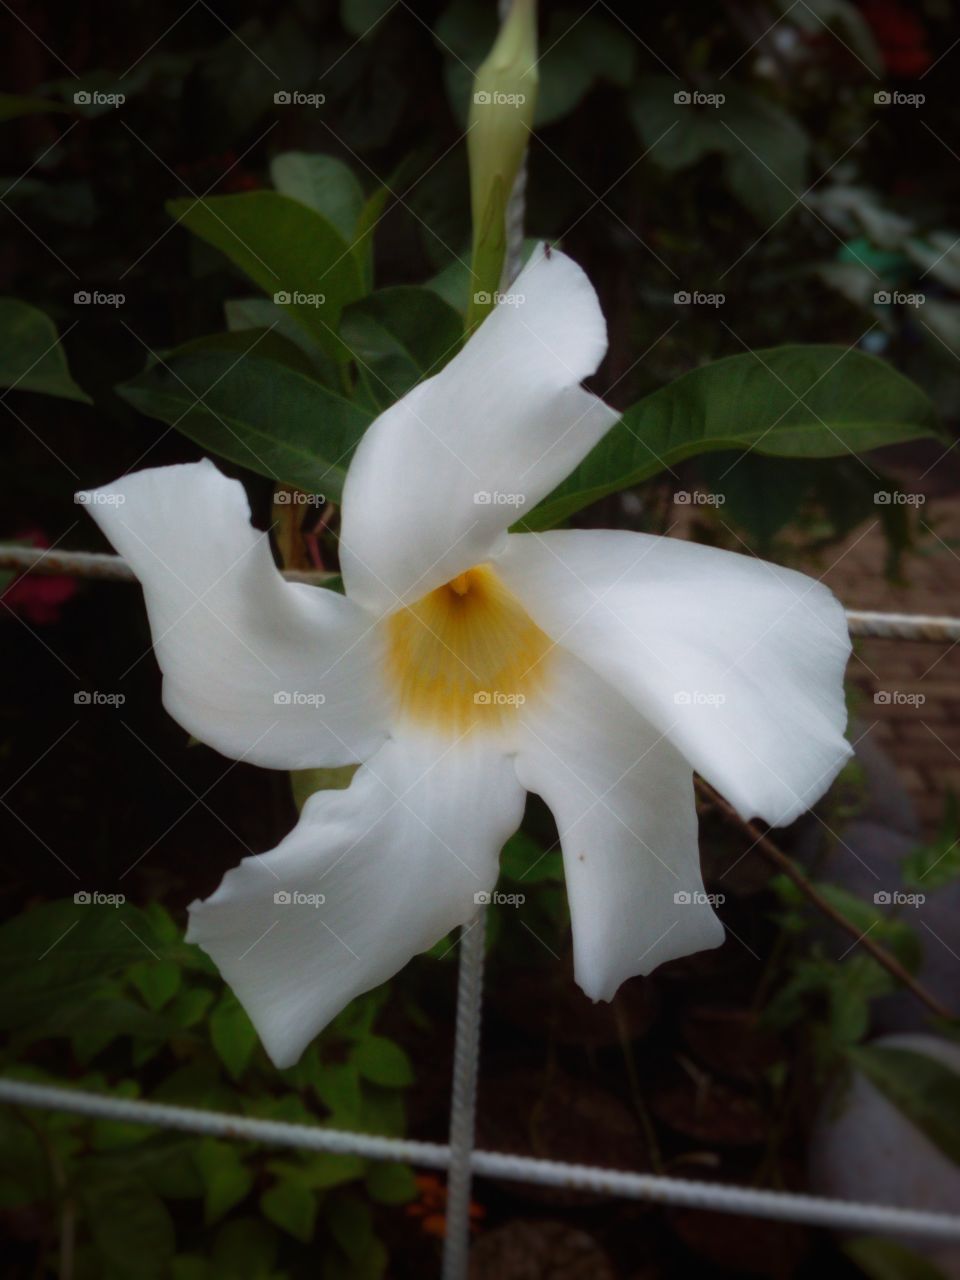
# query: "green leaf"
[[399, 336], [12, 106], [382, 1062], [258, 414], [245, 1249], [360, 17], [320, 1170], [233, 1035], [938, 863], [130, 1225], [883, 1259], [351, 1225], [158, 981], [292, 1207], [523, 859], [56, 956], [31, 357], [285, 248], [246, 314], [814, 401], [391, 1183], [226, 1179], [926, 1091], [324, 184], [338, 1088], [190, 1006]]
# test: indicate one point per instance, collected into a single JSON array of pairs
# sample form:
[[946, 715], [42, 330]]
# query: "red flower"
[[900, 35], [35, 598]]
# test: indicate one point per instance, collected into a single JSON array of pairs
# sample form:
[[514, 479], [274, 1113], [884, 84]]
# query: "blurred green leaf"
[[258, 414], [233, 1035], [287, 249], [883, 1259], [926, 1091], [338, 1088], [130, 1225], [292, 1207], [523, 859], [320, 1170], [360, 17], [13, 106], [226, 1179], [382, 1062], [814, 401], [391, 1183], [351, 1225], [245, 1249], [938, 863], [31, 357], [158, 981]]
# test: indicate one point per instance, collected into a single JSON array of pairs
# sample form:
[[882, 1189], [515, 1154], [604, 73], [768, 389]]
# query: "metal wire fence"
[[459, 1157]]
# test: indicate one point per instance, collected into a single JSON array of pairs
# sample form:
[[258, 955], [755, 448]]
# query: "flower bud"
[[500, 122]]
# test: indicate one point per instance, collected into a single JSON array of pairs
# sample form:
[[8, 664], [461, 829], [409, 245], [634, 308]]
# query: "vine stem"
[[789, 868]]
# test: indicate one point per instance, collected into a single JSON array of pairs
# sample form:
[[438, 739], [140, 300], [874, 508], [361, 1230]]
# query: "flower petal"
[[397, 858], [443, 472], [280, 674], [738, 662], [623, 801]]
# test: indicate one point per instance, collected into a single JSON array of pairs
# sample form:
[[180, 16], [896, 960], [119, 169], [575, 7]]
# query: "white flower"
[[465, 667]]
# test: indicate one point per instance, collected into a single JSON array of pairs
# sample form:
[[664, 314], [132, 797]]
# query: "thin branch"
[[789, 868]]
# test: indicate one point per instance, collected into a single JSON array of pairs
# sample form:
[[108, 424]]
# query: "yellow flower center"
[[466, 654]]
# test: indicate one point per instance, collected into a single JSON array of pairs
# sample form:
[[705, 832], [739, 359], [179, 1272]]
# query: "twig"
[[780, 860]]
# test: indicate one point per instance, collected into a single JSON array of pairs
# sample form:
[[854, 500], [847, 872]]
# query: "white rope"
[[95, 564], [781, 1206], [466, 1058]]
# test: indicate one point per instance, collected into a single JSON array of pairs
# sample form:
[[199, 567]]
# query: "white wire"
[[94, 564], [781, 1206]]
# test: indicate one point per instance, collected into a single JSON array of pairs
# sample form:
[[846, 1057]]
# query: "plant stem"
[[785, 864]]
